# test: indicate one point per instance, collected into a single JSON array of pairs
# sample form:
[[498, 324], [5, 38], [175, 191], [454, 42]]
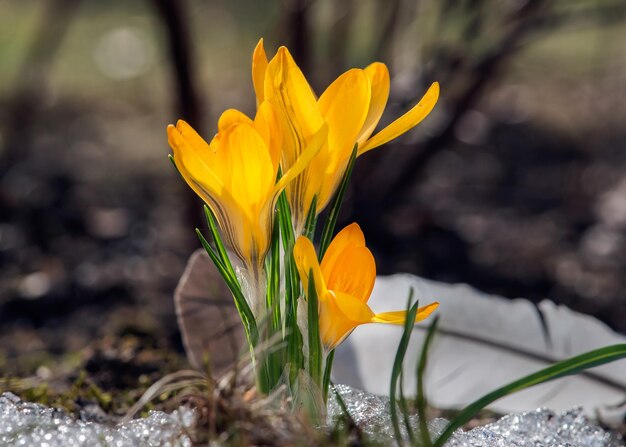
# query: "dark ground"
[[91, 251], [527, 198]]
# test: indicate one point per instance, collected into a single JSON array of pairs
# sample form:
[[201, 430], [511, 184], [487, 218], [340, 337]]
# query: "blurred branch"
[[606, 14], [31, 83], [172, 14], [481, 73]]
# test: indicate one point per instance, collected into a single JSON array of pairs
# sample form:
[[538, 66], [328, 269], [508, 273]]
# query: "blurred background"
[[516, 183]]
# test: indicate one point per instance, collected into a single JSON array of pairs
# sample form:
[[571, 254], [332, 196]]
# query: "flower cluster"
[[290, 161]]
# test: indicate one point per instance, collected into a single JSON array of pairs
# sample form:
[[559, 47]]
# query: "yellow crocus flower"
[[344, 283], [351, 107], [236, 174]]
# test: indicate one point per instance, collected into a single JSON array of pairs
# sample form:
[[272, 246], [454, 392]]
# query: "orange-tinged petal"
[[350, 236], [340, 313], [231, 117], [344, 107], [259, 66], [399, 317], [378, 75], [353, 309], [346, 277], [306, 262], [407, 121], [348, 265], [354, 273]]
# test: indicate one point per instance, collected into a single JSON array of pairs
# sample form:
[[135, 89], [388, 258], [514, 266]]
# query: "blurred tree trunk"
[[298, 33], [339, 39], [172, 14], [390, 11], [180, 52]]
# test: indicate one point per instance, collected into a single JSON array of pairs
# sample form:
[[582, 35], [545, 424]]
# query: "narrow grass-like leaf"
[[404, 408], [275, 359], [240, 302], [225, 268], [397, 364], [284, 218], [564, 368], [421, 396], [217, 238], [315, 343], [333, 214], [273, 280], [328, 367], [292, 289], [183, 378], [230, 280], [214, 257], [311, 219]]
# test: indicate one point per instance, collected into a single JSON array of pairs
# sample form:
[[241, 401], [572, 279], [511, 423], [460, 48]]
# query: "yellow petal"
[[348, 266], [340, 313], [399, 317], [259, 65], [188, 133], [231, 117], [252, 176], [344, 107], [191, 155], [407, 121], [314, 146], [378, 76], [266, 123], [248, 176], [202, 179], [288, 90], [306, 262]]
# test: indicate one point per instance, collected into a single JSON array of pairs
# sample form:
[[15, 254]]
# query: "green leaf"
[[421, 396], [225, 268], [243, 308], [404, 408], [333, 214], [271, 327], [311, 220], [567, 367], [327, 371], [397, 367], [273, 280], [292, 289], [217, 238], [315, 343]]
